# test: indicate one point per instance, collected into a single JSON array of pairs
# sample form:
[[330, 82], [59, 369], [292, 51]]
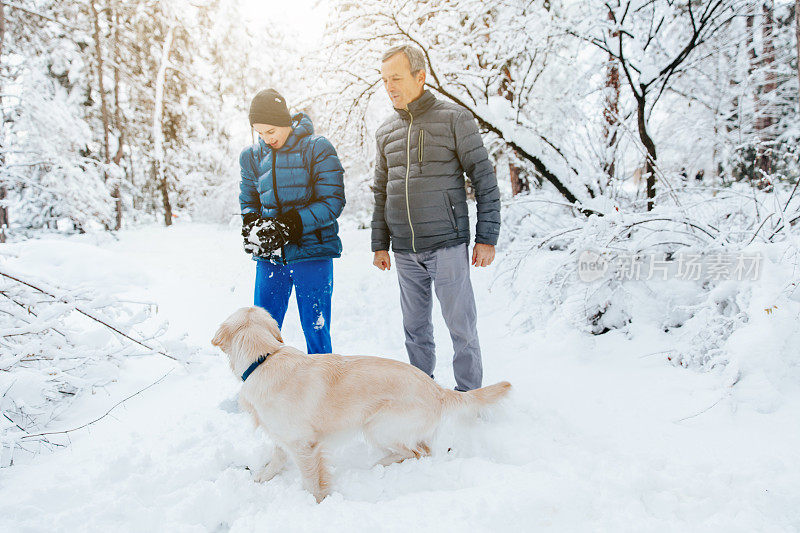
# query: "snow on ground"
[[592, 439]]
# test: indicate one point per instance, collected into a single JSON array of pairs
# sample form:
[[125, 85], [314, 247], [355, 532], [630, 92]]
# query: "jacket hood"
[[301, 127]]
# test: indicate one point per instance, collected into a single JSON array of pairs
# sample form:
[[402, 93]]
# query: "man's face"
[[274, 136], [400, 84]]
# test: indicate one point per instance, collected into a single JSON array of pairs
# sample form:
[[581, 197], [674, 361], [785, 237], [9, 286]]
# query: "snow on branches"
[[506, 62], [692, 276], [56, 345]]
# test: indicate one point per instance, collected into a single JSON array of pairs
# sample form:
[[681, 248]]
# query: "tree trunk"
[[751, 50], [159, 175], [797, 41], [650, 146], [100, 83], [3, 191], [115, 193], [611, 111], [752, 59], [768, 54], [164, 186], [764, 119], [519, 183]]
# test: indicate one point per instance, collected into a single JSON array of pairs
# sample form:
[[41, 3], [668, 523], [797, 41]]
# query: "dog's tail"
[[476, 400]]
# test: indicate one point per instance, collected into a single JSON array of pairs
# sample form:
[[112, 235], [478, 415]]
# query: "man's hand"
[[482, 255], [382, 260]]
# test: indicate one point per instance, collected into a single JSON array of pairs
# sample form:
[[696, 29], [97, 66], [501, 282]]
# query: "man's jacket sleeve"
[[380, 230], [248, 193], [475, 162], [328, 184]]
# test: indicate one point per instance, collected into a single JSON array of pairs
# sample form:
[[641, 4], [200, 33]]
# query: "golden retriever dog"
[[303, 400]]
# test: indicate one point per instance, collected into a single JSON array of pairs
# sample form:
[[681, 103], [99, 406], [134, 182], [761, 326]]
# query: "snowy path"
[[588, 442]]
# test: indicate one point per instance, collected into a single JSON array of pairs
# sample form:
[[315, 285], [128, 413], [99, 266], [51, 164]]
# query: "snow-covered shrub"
[[51, 179], [56, 346], [694, 270]]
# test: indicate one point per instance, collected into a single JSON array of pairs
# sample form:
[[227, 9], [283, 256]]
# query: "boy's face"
[[274, 136], [400, 84]]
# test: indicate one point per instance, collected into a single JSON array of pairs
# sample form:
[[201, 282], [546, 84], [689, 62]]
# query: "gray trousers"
[[448, 269]]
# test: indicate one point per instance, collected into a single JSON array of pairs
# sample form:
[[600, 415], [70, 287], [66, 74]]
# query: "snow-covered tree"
[[504, 61]]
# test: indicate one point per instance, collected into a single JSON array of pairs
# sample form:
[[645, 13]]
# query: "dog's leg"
[[394, 457], [381, 432], [274, 467], [403, 452], [422, 449], [310, 460], [248, 408]]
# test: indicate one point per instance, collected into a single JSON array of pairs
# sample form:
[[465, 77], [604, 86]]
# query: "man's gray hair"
[[414, 55]]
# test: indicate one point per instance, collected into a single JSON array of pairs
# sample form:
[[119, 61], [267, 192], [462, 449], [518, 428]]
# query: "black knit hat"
[[269, 107]]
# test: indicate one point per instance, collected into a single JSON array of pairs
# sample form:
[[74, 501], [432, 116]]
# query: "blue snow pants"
[[313, 286]]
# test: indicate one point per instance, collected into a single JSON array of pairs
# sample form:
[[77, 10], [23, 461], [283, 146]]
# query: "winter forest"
[[643, 303]]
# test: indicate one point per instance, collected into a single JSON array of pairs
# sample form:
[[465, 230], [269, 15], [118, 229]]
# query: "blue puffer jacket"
[[304, 174]]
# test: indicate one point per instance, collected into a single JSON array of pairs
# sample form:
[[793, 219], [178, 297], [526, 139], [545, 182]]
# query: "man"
[[424, 149]]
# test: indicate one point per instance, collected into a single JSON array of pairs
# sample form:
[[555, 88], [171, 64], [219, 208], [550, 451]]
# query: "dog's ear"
[[272, 327], [223, 335], [261, 317]]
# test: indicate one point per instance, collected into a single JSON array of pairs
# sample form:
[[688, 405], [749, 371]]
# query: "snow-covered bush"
[[52, 181], [56, 346], [700, 270]]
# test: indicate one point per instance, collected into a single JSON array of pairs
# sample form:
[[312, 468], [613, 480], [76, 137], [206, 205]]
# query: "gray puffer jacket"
[[420, 201]]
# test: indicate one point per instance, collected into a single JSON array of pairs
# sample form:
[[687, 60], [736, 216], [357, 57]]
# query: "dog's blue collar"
[[252, 368]]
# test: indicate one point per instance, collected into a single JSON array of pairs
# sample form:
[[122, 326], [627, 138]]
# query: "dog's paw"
[[266, 474]]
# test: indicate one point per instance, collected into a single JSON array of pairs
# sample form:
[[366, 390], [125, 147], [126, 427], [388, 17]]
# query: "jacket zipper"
[[275, 184], [421, 145], [408, 168], [277, 200]]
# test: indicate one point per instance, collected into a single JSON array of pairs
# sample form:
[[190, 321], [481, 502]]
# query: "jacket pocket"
[[421, 146], [451, 210]]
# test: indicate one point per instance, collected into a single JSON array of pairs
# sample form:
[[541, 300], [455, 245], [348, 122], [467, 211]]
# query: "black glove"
[[249, 220], [275, 232], [263, 236], [271, 235], [291, 219]]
